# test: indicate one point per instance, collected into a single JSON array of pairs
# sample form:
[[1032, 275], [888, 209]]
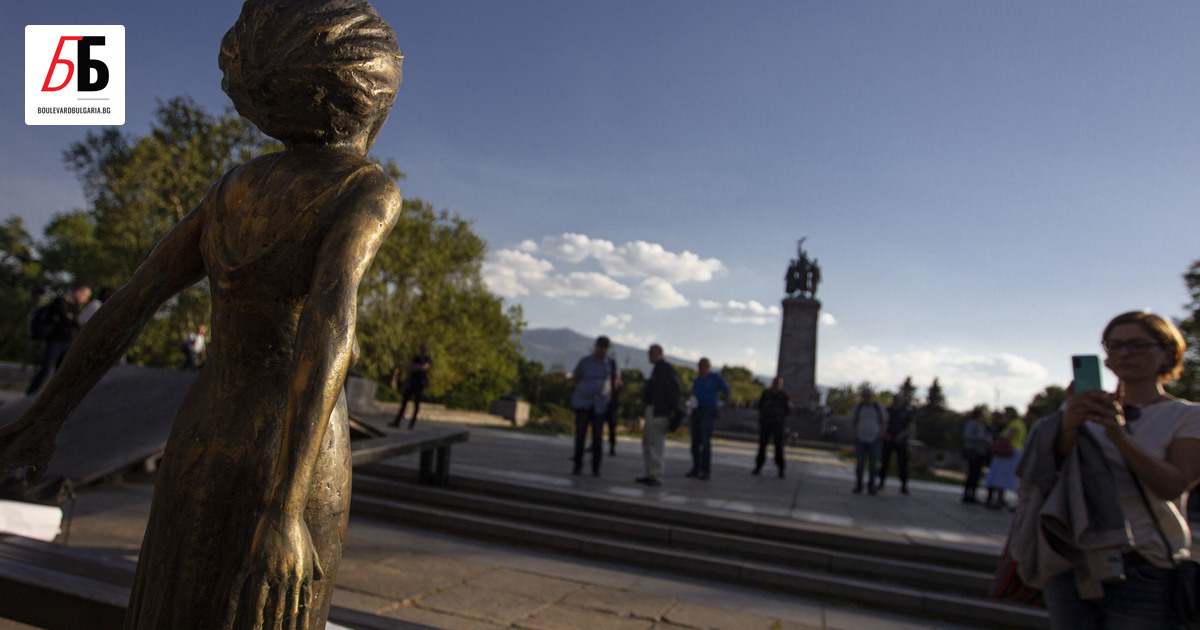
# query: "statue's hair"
[[311, 70]]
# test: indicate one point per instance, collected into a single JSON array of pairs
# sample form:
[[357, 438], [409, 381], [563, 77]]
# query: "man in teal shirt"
[[710, 389]]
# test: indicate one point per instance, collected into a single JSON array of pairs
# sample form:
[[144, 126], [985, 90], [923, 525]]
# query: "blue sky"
[[984, 184]]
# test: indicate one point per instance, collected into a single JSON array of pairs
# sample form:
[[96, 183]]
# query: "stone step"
[[795, 552], [870, 543], [799, 581]]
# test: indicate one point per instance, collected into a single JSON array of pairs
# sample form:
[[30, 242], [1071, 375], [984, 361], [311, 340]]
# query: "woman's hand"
[[274, 588], [1095, 406]]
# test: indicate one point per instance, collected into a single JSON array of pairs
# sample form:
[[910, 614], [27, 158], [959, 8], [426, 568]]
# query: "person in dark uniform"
[[63, 320], [895, 440], [414, 386], [773, 409]]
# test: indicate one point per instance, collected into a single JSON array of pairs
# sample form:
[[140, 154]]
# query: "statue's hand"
[[274, 588], [27, 443]]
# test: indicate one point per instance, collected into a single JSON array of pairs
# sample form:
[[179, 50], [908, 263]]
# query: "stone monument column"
[[798, 334], [798, 350]]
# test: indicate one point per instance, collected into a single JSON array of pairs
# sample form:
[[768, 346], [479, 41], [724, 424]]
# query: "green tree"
[[22, 286], [687, 374], [937, 425], [1188, 385], [630, 406], [743, 387], [841, 399], [137, 189], [528, 386], [425, 286], [1046, 401]]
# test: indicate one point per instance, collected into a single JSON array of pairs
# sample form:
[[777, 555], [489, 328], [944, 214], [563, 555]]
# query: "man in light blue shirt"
[[595, 380], [709, 388]]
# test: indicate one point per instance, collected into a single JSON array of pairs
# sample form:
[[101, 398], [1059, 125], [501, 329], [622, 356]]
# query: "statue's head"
[[322, 71]]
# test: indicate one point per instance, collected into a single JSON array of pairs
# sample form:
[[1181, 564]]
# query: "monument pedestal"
[[798, 350]]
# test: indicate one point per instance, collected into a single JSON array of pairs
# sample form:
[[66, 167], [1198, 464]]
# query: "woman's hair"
[[1162, 331], [311, 70]]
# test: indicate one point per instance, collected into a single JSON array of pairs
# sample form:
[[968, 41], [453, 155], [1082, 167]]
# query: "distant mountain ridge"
[[561, 348]]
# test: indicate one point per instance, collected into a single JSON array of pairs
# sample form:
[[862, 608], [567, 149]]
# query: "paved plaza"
[[449, 582]]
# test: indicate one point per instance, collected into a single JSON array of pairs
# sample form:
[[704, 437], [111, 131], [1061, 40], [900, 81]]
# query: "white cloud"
[[575, 248], [616, 321], [511, 273], [734, 312], [637, 259], [827, 319], [682, 353], [659, 294], [585, 284], [966, 379], [640, 258], [633, 339]]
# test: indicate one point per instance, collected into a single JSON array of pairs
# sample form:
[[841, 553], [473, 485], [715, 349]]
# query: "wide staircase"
[[872, 569]]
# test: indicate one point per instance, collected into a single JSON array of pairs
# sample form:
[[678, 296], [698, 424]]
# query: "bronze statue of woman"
[[250, 505]]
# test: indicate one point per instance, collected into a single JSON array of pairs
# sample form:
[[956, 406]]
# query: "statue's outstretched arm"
[[283, 563], [174, 265]]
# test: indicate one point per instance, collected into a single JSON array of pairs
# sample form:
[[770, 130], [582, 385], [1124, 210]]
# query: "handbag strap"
[[1149, 510]]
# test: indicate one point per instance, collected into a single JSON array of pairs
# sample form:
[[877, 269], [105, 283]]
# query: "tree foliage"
[[1188, 385], [22, 284], [137, 189], [425, 286], [1046, 401], [841, 399], [743, 387], [425, 283]]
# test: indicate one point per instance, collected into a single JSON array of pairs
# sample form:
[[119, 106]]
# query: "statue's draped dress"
[[262, 229]]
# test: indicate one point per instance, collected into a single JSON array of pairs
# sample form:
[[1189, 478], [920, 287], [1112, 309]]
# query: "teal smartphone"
[[1087, 372]]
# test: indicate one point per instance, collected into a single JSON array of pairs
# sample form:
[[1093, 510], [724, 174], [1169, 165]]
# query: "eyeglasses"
[[1134, 346]]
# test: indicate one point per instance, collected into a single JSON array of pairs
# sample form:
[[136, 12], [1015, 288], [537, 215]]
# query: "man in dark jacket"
[[661, 395], [895, 440], [414, 387], [63, 322], [773, 409]]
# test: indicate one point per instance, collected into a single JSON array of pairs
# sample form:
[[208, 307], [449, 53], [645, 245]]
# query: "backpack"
[[41, 323]]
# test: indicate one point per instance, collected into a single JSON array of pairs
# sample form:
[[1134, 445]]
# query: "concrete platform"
[[450, 582]]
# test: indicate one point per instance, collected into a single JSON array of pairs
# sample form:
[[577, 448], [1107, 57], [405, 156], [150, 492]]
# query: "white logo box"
[[75, 75]]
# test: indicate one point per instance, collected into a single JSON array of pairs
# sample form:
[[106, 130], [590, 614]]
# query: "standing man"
[[414, 386], [661, 395], [595, 381], [773, 408], [194, 349], [900, 428], [61, 319], [710, 390], [869, 423]]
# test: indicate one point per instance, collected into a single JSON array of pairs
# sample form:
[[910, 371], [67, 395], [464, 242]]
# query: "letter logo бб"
[[82, 82], [86, 65]]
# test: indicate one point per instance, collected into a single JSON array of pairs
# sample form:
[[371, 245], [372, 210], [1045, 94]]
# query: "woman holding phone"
[[1143, 432]]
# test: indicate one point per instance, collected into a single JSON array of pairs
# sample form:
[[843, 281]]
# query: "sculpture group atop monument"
[[803, 275]]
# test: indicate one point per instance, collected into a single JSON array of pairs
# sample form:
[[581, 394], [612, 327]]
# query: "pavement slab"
[[434, 619], [559, 617], [692, 615], [620, 602], [484, 604]]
